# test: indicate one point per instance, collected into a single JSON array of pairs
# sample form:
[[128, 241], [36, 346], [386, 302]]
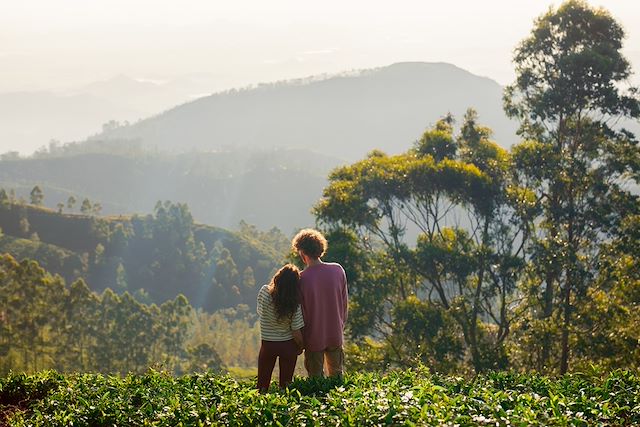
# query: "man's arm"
[[345, 298]]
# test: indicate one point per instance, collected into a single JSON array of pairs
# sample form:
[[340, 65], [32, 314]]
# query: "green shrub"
[[409, 397]]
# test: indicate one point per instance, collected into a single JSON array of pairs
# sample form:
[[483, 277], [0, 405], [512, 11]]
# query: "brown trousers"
[[329, 361]]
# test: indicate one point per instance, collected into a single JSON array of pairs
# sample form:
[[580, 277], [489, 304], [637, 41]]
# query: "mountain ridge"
[[389, 106]]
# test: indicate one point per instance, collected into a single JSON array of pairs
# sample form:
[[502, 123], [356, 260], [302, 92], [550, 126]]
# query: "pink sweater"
[[324, 305]]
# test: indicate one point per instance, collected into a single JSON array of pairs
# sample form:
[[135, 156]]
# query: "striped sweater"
[[272, 328]]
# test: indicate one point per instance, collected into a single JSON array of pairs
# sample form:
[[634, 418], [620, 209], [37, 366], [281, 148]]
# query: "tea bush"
[[410, 397]]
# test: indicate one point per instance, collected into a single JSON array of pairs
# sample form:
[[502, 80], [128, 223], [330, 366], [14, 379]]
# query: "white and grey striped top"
[[272, 328]]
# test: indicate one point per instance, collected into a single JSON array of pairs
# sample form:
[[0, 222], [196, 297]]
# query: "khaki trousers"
[[329, 361]]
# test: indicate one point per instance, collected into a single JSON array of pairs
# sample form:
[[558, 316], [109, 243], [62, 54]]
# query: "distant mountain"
[[149, 97], [30, 120], [344, 116]]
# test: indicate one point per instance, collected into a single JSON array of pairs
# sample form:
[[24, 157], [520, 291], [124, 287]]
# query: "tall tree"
[[82, 312], [454, 191], [37, 196], [570, 89], [71, 202], [174, 328], [85, 208]]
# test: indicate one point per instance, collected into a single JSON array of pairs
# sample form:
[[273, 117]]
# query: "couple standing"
[[303, 311]]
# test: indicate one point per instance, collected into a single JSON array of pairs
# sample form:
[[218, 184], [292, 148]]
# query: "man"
[[323, 288]]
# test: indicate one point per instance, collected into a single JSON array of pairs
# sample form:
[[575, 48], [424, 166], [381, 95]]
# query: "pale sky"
[[49, 44]]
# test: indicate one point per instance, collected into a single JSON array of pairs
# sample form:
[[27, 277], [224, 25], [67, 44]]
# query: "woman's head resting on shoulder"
[[284, 290]]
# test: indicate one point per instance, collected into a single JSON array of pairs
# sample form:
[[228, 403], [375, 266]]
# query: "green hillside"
[[51, 257], [156, 257]]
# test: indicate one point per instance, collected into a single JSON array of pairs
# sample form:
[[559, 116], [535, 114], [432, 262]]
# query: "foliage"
[[44, 324], [571, 89], [525, 256], [410, 397], [273, 239], [51, 257], [37, 196], [609, 320], [460, 255], [458, 278], [233, 332], [158, 256]]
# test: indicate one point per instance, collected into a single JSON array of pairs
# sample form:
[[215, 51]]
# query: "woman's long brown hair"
[[284, 291]]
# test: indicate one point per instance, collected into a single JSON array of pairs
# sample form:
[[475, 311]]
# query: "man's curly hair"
[[311, 242]]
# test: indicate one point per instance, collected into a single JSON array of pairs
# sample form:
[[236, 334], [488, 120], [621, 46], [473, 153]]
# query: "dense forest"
[[47, 324]]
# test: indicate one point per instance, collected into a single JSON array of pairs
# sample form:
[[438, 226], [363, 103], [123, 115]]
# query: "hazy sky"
[[47, 44]]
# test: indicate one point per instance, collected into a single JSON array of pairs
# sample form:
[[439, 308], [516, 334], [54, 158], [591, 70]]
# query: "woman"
[[280, 326]]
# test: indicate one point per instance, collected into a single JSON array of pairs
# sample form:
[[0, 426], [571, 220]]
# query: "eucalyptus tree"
[[173, 329], [570, 91], [85, 208], [9, 334], [610, 317], [81, 312], [71, 202], [163, 256], [30, 304], [136, 329], [455, 192], [36, 196], [110, 346]]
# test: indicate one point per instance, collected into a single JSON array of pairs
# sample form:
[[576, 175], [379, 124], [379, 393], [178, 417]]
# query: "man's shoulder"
[[325, 266], [336, 267], [333, 264]]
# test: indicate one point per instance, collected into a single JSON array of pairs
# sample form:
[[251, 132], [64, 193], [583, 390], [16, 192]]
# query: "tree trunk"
[[546, 314], [473, 324], [564, 360]]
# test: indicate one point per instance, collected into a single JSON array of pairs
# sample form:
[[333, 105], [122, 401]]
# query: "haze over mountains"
[[267, 189], [344, 116], [30, 119], [261, 154]]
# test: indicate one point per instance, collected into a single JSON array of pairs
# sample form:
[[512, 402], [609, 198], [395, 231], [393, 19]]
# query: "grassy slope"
[[75, 233], [51, 257], [412, 397], [64, 238], [78, 233]]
